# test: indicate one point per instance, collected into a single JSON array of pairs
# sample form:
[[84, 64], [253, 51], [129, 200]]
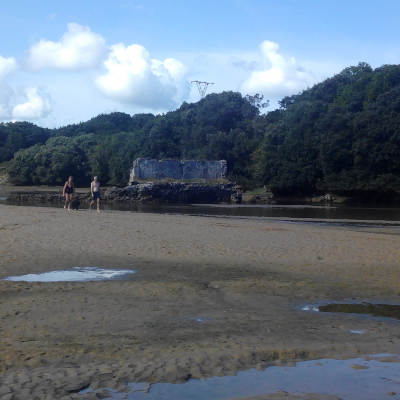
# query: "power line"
[[202, 87]]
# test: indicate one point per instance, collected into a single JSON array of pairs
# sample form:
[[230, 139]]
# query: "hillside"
[[219, 126], [342, 136]]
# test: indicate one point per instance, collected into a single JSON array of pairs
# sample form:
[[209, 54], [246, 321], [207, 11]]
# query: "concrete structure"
[[147, 169]]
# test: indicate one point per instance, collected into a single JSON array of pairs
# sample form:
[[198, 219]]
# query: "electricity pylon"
[[202, 87]]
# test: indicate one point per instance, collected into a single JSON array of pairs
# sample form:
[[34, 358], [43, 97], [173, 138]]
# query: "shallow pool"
[[363, 309], [370, 378], [75, 274]]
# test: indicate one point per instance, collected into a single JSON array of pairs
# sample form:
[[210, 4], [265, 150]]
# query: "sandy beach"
[[247, 278]]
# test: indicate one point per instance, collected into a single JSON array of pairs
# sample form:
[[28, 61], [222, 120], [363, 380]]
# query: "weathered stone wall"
[[143, 168]]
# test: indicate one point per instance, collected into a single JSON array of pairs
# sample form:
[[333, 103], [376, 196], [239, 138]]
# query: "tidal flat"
[[245, 279]]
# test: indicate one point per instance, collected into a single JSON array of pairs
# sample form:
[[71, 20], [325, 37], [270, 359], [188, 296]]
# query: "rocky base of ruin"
[[175, 192], [149, 192]]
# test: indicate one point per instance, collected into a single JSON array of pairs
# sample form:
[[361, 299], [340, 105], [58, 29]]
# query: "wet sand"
[[247, 278], [288, 396]]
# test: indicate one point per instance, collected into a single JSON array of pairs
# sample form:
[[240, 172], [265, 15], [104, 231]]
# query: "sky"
[[64, 61]]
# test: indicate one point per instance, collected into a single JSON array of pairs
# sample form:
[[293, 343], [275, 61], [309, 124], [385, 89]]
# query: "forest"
[[340, 136]]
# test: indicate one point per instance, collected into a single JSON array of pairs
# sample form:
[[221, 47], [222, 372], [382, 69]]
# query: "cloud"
[[246, 65], [78, 48], [133, 77], [7, 66], [6, 94], [36, 105], [276, 75]]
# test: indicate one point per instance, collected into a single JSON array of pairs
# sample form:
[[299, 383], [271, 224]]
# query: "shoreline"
[[246, 277], [171, 209], [256, 197]]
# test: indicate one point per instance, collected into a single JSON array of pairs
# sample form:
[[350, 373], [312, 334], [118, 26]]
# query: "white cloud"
[[133, 77], [131, 80], [277, 75], [78, 48], [6, 94], [7, 66], [36, 105]]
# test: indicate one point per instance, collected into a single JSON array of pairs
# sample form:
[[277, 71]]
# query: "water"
[[362, 309], [197, 319], [376, 310], [291, 211], [356, 332], [300, 211], [75, 274], [313, 213], [310, 308], [368, 378]]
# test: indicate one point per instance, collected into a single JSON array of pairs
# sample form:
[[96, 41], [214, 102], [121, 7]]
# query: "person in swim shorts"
[[68, 192], [95, 193]]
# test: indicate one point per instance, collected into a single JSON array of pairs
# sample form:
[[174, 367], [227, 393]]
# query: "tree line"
[[341, 135]]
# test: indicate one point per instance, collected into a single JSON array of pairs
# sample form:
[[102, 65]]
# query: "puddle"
[[356, 332], [75, 274], [310, 308], [376, 310], [197, 319], [369, 378]]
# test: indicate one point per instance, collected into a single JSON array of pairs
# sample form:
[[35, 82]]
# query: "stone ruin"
[[147, 169]]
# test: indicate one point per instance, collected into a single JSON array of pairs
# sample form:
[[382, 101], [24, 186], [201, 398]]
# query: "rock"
[[359, 366], [261, 198], [42, 196], [77, 386], [75, 203], [5, 390], [237, 196], [326, 198], [148, 192], [103, 394], [174, 192]]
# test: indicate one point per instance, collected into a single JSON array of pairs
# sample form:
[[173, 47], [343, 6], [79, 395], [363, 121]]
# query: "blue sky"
[[66, 61]]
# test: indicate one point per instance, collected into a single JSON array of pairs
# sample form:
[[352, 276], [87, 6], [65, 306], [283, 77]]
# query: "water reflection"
[[295, 211], [368, 378], [76, 274], [376, 310]]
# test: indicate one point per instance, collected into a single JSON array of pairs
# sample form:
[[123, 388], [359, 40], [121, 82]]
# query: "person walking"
[[95, 193], [68, 192]]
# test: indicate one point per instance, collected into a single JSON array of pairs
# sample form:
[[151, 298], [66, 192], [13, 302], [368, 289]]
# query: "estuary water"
[[299, 212]]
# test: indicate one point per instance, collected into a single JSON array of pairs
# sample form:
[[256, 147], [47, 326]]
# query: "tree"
[[257, 100]]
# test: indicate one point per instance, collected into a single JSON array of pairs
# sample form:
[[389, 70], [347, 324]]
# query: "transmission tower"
[[202, 87]]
